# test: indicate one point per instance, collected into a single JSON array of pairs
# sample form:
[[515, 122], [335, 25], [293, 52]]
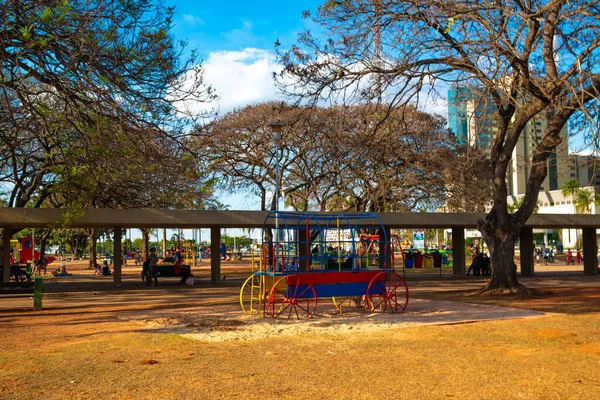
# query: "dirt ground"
[[175, 343]]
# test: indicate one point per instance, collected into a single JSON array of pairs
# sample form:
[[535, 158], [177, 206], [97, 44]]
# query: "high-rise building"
[[471, 117], [558, 164]]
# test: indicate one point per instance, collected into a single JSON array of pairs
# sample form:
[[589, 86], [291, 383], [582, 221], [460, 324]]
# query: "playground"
[[311, 314]]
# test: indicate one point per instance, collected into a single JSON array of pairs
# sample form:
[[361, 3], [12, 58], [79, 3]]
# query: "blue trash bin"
[[409, 259]]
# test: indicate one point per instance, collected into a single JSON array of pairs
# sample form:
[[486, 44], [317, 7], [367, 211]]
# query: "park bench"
[[166, 269]]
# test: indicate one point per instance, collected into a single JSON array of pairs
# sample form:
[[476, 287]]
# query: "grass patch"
[[559, 300], [95, 353]]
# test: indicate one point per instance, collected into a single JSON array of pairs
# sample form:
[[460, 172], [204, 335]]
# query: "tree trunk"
[[500, 239], [93, 249], [145, 242], [164, 246], [43, 242]]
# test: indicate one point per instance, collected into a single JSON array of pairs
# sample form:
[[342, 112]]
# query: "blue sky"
[[236, 42], [234, 25]]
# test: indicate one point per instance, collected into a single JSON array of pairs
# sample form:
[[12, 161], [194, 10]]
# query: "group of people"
[[578, 257], [545, 253], [179, 269], [103, 270]]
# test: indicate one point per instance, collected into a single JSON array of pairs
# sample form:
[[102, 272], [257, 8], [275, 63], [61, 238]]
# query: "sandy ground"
[[229, 324]]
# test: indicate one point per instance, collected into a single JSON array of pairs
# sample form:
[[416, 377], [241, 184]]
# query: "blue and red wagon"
[[305, 257]]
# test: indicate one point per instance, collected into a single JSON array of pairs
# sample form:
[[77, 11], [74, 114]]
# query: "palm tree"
[[217, 205], [584, 199], [570, 188]]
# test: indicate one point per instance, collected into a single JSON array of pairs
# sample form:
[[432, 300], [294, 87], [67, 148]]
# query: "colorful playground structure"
[[23, 251], [305, 256]]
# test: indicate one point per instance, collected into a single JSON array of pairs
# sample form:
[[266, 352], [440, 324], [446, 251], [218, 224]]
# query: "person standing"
[[223, 250], [153, 264], [545, 253]]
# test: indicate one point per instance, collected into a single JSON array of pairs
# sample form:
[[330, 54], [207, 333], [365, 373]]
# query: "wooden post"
[[526, 247], [118, 253], [215, 255], [5, 254], [458, 251], [590, 252]]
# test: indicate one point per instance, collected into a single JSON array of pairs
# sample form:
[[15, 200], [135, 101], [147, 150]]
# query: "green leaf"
[[46, 14]]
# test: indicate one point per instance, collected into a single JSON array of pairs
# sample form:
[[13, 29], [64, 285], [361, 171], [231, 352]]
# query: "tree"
[[583, 200], [570, 187], [86, 78], [512, 207], [524, 58], [334, 158]]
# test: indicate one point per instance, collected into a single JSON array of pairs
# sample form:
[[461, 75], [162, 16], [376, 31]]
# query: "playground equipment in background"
[[23, 251], [312, 256], [188, 252]]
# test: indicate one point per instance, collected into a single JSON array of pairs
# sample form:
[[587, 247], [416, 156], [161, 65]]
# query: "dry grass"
[[579, 300], [93, 353]]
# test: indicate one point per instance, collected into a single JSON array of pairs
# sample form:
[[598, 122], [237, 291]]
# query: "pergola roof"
[[193, 219]]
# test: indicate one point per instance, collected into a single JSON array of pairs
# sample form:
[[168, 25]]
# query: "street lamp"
[[276, 129]]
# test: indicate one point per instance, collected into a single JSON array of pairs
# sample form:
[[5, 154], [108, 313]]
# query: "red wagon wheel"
[[387, 291], [298, 300]]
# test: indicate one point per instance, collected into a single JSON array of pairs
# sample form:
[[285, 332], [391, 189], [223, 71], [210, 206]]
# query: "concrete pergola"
[[11, 218]]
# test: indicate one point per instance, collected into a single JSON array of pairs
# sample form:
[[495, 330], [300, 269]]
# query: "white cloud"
[[245, 77], [242, 77], [192, 20]]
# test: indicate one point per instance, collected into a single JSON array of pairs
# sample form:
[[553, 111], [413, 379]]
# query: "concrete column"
[[590, 252], [215, 255], [526, 247], [5, 254], [458, 251], [118, 253]]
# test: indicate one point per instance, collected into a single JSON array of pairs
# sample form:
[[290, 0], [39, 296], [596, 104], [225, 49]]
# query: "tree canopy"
[[93, 99], [336, 158], [526, 58]]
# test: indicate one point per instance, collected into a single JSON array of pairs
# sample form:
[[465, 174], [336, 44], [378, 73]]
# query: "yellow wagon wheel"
[[340, 302], [252, 295]]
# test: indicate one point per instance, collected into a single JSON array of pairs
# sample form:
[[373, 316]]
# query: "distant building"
[[471, 119]]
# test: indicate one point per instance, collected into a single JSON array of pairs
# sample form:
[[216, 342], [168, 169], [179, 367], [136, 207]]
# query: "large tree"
[[335, 158], [526, 58], [85, 78]]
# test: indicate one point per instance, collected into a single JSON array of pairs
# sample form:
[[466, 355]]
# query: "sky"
[[236, 41]]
